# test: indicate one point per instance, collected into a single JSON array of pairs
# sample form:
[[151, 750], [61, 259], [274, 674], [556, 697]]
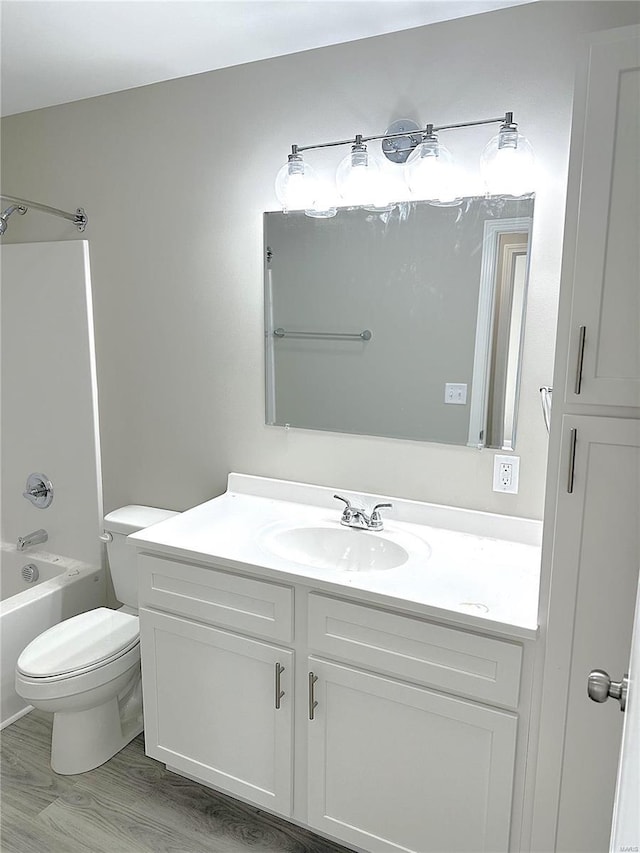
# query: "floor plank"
[[18, 835], [26, 780], [131, 804]]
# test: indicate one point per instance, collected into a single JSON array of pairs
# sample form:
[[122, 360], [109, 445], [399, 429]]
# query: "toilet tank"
[[122, 554]]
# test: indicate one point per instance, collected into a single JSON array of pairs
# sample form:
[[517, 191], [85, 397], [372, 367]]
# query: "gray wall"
[[175, 182]]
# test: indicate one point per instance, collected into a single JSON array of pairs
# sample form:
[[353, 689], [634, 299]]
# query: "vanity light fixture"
[[429, 169], [507, 162], [296, 183], [507, 165], [358, 178]]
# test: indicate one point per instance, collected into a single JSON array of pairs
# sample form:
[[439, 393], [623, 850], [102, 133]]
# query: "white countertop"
[[454, 572]]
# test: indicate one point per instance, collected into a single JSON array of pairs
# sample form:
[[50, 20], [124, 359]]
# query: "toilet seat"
[[80, 645], [101, 665], [37, 689]]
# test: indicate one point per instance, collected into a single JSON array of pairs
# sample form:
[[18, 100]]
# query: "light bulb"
[[507, 163], [358, 178], [324, 206], [296, 184], [429, 171]]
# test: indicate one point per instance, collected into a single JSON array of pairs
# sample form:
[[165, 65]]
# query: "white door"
[[596, 548], [625, 835], [213, 710], [396, 767]]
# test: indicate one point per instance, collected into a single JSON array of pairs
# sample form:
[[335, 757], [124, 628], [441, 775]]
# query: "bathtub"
[[64, 588]]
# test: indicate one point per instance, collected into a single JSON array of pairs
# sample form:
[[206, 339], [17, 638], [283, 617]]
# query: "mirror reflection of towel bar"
[[342, 336]]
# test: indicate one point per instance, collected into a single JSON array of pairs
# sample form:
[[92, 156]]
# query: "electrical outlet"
[[506, 474]]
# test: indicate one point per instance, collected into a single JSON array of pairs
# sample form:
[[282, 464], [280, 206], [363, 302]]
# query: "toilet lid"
[[80, 643]]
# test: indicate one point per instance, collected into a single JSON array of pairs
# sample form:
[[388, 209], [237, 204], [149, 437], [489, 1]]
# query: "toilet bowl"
[[86, 670]]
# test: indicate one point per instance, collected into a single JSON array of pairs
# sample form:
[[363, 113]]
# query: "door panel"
[[606, 291], [596, 546], [210, 708], [626, 816], [397, 767]]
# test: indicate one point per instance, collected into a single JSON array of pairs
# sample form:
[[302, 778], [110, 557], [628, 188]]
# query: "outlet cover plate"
[[506, 474]]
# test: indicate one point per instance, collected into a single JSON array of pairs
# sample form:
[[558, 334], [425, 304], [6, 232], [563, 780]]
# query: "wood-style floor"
[[129, 805]]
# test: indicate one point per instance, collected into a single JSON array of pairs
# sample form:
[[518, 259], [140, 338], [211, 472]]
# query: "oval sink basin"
[[337, 548]]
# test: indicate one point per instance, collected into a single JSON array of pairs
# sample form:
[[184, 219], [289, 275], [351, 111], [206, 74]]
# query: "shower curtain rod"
[[80, 218]]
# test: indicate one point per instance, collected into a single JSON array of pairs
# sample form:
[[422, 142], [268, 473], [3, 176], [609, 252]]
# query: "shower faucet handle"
[[39, 490]]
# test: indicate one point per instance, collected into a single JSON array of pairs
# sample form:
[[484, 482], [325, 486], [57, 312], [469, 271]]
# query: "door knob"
[[600, 687]]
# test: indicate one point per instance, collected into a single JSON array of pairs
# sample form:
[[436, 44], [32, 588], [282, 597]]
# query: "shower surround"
[[49, 424]]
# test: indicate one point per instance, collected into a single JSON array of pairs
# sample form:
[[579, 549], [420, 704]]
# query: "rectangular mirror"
[[406, 323]]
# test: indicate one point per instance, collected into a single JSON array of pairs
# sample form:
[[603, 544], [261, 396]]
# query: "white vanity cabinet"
[[218, 705], [405, 731], [210, 708], [394, 764]]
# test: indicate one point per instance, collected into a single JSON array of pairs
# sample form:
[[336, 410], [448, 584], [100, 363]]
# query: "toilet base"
[[95, 713], [83, 740]]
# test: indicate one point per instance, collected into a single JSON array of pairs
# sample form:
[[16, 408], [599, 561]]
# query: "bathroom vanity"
[[373, 685]]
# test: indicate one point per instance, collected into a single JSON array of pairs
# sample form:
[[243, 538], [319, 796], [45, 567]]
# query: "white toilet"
[[86, 669]]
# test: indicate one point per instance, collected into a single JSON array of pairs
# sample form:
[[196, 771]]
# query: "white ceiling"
[[56, 51]]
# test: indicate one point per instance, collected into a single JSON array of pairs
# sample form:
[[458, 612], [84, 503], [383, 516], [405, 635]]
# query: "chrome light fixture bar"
[[506, 120], [506, 165], [21, 205]]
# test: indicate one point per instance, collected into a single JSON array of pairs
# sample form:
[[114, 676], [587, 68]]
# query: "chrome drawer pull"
[[581, 340], [312, 700], [279, 692], [572, 459]]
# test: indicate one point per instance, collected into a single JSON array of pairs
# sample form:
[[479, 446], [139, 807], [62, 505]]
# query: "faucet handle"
[[347, 513], [39, 490], [375, 522]]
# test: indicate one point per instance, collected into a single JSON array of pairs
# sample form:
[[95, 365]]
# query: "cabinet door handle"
[[581, 339], [279, 692], [573, 437], [312, 699]]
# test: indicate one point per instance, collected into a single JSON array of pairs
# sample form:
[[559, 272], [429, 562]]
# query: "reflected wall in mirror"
[[406, 323]]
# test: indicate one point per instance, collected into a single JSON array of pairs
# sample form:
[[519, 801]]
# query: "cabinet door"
[[210, 708], [602, 261], [595, 567], [397, 767]]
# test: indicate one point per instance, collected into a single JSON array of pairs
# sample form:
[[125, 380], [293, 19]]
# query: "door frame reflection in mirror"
[[491, 422]]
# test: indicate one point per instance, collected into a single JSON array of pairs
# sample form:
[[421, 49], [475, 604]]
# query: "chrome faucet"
[[358, 518], [35, 538]]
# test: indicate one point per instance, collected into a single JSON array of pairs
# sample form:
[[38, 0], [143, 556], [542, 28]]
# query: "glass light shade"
[[384, 194], [324, 206], [296, 184], [429, 172], [507, 164], [359, 181]]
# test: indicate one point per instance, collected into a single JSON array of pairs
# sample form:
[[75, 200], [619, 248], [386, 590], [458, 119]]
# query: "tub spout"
[[35, 538]]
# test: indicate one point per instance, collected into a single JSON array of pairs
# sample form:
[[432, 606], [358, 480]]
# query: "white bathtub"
[[65, 587]]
